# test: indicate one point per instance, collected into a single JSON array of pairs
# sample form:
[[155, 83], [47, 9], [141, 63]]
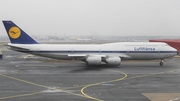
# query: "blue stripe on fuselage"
[[73, 51]]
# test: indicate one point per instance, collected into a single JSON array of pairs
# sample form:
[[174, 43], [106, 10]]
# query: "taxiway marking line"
[[95, 84], [21, 95], [66, 88], [10, 77], [70, 87], [17, 79], [133, 77], [124, 78], [175, 99]]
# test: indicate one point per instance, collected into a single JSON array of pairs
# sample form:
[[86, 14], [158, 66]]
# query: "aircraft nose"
[[176, 51]]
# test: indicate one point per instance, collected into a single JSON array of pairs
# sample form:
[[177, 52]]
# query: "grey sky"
[[93, 17]]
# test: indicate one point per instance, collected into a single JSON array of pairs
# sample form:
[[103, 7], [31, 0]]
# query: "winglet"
[[16, 34]]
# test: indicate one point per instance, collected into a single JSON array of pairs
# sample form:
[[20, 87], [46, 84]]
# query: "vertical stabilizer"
[[16, 34]]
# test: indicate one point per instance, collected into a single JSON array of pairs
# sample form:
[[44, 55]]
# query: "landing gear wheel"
[[161, 63]]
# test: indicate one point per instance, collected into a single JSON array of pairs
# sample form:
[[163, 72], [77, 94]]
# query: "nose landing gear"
[[161, 63]]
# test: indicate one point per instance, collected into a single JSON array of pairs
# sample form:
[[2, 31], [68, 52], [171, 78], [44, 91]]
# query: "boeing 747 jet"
[[92, 54]]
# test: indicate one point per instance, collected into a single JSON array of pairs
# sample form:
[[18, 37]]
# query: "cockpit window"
[[166, 44]]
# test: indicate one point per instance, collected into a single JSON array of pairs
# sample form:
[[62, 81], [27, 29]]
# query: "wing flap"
[[77, 55]]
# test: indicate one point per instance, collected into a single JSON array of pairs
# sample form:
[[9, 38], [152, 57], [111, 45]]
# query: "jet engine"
[[93, 60], [113, 60]]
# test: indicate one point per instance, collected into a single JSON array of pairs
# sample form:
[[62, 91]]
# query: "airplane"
[[92, 54]]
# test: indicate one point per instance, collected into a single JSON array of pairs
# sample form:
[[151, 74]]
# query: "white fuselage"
[[124, 50]]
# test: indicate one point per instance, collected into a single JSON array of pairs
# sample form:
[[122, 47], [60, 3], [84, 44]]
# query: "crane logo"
[[14, 32]]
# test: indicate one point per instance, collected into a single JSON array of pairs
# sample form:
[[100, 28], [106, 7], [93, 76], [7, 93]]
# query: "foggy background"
[[93, 17]]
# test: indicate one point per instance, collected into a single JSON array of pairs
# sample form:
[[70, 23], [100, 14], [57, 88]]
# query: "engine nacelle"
[[93, 60], [113, 60]]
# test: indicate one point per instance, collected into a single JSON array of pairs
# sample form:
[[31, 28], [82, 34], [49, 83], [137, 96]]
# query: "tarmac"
[[51, 80]]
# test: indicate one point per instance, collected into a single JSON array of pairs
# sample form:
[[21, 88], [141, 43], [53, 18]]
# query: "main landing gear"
[[161, 63]]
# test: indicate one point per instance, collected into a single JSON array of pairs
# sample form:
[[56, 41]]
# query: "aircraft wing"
[[84, 56]]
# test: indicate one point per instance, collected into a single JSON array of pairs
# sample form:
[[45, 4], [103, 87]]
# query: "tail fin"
[[16, 34]]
